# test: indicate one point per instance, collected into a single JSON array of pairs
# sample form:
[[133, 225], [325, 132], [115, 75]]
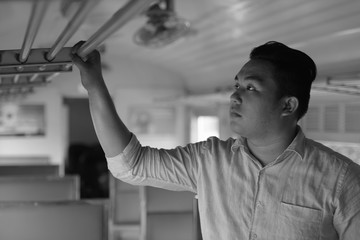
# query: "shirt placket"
[[258, 206], [259, 211]]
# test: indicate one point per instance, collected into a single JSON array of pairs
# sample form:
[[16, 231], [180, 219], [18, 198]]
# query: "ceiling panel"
[[225, 32]]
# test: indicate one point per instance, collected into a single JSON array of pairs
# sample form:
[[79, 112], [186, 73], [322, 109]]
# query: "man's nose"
[[235, 98]]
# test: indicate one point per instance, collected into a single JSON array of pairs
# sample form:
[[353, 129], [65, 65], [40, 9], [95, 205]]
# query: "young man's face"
[[255, 110]]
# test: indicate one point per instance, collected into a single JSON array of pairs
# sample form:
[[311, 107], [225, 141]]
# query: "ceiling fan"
[[163, 26]]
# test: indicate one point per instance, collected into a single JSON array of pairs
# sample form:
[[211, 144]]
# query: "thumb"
[[77, 61], [75, 57]]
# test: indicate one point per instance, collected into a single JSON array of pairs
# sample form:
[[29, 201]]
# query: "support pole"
[[73, 25], [36, 17], [120, 18], [33, 77], [16, 78]]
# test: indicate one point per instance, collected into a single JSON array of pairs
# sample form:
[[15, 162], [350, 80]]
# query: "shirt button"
[[253, 236]]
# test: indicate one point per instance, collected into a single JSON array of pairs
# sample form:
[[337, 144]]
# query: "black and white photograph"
[[180, 119]]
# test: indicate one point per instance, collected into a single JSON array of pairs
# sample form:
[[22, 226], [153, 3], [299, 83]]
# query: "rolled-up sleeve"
[[174, 169], [347, 215]]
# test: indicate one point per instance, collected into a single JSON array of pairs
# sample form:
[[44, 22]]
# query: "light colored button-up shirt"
[[308, 193]]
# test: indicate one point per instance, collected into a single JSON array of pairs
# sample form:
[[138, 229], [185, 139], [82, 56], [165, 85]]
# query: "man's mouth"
[[234, 114]]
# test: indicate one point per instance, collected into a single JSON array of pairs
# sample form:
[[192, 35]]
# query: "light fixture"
[[163, 26]]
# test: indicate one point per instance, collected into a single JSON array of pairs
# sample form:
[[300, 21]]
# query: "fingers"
[[91, 62], [75, 57], [91, 57], [76, 47], [77, 60]]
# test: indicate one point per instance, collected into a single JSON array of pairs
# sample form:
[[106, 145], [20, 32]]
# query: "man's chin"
[[236, 129]]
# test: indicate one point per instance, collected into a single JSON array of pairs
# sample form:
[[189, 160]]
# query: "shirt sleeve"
[[173, 169], [347, 214]]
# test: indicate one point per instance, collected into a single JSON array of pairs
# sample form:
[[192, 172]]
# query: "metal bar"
[[16, 78], [35, 63], [65, 63], [71, 27], [30, 73], [52, 76], [33, 77], [120, 18], [37, 14]]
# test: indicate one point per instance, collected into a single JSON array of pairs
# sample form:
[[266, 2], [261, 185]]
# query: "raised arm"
[[110, 130]]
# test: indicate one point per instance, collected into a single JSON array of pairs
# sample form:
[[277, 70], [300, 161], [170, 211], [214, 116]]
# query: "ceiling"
[[225, 32]]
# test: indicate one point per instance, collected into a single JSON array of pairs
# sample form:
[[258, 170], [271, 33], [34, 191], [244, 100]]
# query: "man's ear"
[[290, 105]]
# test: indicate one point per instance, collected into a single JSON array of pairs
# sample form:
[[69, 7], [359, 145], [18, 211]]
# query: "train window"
[[312, 119], [204, 127], [352, 118], [331, 118]]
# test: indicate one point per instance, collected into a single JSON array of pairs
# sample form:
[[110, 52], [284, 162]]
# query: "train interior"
[[169, 66]]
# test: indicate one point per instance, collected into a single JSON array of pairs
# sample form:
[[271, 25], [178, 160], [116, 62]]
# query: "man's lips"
[[234, 114]]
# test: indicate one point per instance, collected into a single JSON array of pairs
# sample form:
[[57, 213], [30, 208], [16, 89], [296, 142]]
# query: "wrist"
[[98, 88], [91, 83]]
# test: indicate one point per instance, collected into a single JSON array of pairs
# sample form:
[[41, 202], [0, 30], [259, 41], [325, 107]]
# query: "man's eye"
[[236, 86], [250, 88]]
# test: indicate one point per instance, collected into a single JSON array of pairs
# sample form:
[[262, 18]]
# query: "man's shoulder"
[[315, 150], [213, 143], [327, 162]]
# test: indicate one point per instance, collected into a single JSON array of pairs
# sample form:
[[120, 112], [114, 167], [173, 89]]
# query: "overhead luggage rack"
[[36, 65], [21, 70]]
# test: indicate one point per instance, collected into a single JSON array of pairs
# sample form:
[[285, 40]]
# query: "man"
[[270, 183]]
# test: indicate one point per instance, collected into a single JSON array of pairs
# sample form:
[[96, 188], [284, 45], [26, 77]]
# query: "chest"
[[288, 181], [281, 200]]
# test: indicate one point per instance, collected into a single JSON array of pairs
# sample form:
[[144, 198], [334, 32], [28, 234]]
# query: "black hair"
[[294, 71]]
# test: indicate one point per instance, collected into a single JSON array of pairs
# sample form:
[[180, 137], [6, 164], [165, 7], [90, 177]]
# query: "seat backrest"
[[70, 220], [36, 169], [38, 188]]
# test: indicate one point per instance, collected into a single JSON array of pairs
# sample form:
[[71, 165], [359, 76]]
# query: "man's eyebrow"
[[254, 78]]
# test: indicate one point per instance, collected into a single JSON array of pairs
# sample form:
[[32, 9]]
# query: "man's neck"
[[267, 150]]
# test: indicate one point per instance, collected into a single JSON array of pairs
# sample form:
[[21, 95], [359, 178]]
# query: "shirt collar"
[[239, 142], [297, 145]]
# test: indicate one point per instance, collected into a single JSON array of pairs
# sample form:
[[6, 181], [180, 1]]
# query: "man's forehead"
[[258, 69]]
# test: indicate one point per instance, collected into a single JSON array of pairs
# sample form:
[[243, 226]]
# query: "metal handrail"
[[36, 17], [72, 26], [119, 18]]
